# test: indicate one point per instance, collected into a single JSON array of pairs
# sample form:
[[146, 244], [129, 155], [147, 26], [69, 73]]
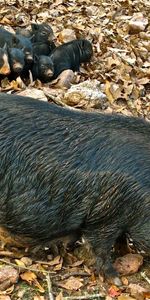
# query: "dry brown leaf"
[[137, 291], [14, 85], [39, 298], [108, 298], [113, 61], [87, 270], [66, 35], [115, 91], [19, 263], [20, 294], [124, 280], [38, 285], [28, 276], [59, 296], [55, 261], [108, 92], [9, 290], [31, 278], [114, 291], [6, 21], [77, 263], [72, 284], [79, 26], [125, 297], [59, 266], [26, 260]]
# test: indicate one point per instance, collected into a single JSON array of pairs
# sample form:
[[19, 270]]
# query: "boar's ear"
[[34, 27]]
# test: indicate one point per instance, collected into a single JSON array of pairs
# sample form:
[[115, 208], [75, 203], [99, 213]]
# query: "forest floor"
[[119, 70]]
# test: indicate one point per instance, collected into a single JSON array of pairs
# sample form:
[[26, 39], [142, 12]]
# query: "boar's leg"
[[102, 239], [114, 212]]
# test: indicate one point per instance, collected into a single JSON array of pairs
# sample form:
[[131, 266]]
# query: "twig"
[[74, 274], [93, 296], [145, 277], [46, 273], [26, 268], [42, 262], [49, 285]]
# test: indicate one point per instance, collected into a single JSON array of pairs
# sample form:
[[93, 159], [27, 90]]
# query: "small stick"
[[49, 285], [74, 274], [145, 277], [26, 268], [93, 296], [42, 262]]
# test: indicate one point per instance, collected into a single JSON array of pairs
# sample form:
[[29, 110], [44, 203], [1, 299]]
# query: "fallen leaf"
[[66, 35], [59, 266], [19, 263], [124, 280], [55, 261], [72, 284], [137, 291], [77, 263], [59, 296], [38, 285], [9, 290], [28, 276], [125, 297], [26, 260], [108, 92], [87, 270], [114, 291], [31, 278]]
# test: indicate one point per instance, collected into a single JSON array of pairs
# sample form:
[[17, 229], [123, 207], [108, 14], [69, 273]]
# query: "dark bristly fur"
[[42, 68], [17, 41], [70, 55], [63, 171], [41, 36]]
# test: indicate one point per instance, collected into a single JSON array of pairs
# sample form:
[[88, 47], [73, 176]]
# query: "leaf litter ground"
[[120, 68]]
